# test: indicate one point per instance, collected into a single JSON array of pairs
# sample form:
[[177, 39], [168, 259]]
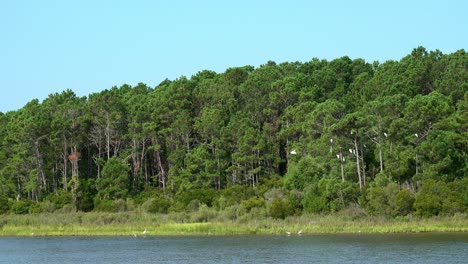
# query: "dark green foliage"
[[380, 196], [295, 200], [22, 206], [4, 205], [60, 199], [158, 204], [437, 197], [114, 180], [234, 195], [314, 199], [304, 172], [113, 206], [403, 203], [252, 203], [317, 136], [86, 192], [200, 196], [281, 208]]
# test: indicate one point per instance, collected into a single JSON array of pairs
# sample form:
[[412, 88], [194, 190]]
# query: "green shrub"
[[252, 203], [193, 205], [428, 204], [402, 203], [440, 198], [86, 191], [21, 206], [314, 201], [275, 193], [66, 209], [295, 198], [60, 199], [4, 205], [204, 196], [256, 214], [235, 194], [105, 205], [352, 213], [156, 205], [303, 173], [380, 198], [204, 214], [35, 208], [229, 213], [280, 208]]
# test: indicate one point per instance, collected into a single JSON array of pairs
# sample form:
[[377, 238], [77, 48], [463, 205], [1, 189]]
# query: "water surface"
[[376, 248]]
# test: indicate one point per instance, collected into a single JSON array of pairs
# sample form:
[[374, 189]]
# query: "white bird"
[[135, 235], [144, 232], [293, 152], [331, 140], [288, 233], [416, 134], [32, 234], [338, 156], [350, 151], [299, 233], [385, 134]]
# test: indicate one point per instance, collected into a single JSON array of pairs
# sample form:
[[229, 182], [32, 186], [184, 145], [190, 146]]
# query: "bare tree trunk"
[[107, 132], [416, 161], [65, 156], [219, 172], [358, 163], [142, 156], [162, 173], [342, 165], [55, 178], [363, 168], [40, 166]]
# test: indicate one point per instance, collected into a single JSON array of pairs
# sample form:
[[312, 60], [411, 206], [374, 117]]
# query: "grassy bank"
[[131, 223]]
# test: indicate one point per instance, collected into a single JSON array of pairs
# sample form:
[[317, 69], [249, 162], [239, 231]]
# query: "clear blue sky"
[[90, 45]]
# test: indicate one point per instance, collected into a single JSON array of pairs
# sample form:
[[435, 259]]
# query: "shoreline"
[[133, 224]]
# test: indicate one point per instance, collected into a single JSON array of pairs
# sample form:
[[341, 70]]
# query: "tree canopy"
[[318, 136]]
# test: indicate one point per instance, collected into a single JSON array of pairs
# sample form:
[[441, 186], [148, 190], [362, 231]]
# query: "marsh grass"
[[133, 223]]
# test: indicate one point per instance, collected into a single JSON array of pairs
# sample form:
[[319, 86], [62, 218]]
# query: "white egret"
[[293, 152], [299, 233]]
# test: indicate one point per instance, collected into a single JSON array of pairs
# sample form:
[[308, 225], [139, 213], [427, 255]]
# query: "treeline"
[[319, 136]]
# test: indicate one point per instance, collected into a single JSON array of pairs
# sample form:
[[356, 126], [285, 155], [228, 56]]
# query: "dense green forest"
[[320, 136]]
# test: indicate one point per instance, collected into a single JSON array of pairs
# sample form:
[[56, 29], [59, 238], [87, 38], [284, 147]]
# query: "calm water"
[[389, 248]]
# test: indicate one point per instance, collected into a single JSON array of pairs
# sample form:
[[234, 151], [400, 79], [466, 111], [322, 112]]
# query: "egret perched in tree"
[[293, 152], [416, 135], [385, 134]]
